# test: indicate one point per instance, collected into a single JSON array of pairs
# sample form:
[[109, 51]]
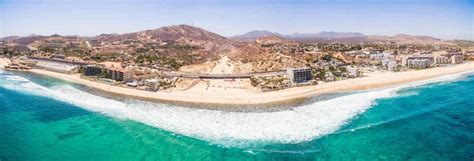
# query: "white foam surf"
[[300, 124], [19, 83], [232, 128]]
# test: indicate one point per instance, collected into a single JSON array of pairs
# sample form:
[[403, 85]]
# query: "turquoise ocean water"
[[46, 119]]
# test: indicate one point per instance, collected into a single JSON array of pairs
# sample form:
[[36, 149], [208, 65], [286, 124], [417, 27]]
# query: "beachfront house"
[[352, 72], [133, 83], [329, 77], [152, 84]]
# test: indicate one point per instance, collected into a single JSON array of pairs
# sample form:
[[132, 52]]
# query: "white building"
[[377, 56], [152, 84], [132, 84], [329, 77], [352, 72], [355, 52], [418, 63], [389, 52], [428, 57], [441, 60], [389, 65], [457, 59]]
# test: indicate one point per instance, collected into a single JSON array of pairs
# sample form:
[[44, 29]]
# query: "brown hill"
[[183, 34], [174, 33], [9, 38], [271, 39], [28, 40]]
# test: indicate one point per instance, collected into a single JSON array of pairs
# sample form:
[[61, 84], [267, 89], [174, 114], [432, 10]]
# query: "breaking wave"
[[303, 123]]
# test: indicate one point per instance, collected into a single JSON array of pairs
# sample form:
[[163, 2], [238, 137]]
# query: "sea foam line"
[[303, 123]]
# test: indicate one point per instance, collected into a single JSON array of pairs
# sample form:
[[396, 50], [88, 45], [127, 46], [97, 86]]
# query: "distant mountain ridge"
[[407, 39], [254, 35], [214, 42], [344, 37], [325, 34]]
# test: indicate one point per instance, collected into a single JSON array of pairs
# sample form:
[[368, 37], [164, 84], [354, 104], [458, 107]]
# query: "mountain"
[[271, 39], [344, 37], [9, 38], [253, 35], [183, 34], [304, 37], [29, 39], [174, 33], [328, 37], [325, 34], [407, 39]]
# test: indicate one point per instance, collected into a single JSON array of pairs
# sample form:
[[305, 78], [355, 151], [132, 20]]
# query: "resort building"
[[469, 55], [429, 59], [92, 70], [457, 59], [2, 47], [389, 65], [299, 75], [418, 63], [152, 84], [119, 74], [441, 59]]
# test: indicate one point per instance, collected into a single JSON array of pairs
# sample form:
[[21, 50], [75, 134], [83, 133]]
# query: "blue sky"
[[447, 19]]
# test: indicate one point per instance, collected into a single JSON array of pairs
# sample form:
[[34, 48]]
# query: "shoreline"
[[239, 97]]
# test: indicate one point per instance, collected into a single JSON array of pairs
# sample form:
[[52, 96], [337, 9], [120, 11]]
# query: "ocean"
[[43, 118]]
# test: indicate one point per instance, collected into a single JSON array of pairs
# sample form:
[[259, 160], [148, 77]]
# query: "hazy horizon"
[[438, 18]]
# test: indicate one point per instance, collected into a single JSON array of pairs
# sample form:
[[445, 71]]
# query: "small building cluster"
[[271, 83], [152, 84]]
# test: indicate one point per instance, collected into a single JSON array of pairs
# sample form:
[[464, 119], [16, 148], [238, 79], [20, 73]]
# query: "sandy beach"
[[237, 93], [4, 62]]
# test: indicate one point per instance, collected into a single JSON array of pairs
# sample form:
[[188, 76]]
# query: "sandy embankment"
[[244, 96], [4, 62]]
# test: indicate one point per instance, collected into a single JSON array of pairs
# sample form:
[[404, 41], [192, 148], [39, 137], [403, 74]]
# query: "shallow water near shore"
[[48, 119]]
